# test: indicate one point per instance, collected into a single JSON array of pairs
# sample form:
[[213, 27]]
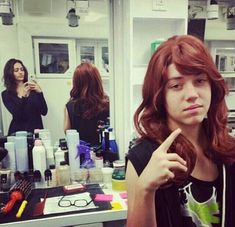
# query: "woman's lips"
[[193, 107]]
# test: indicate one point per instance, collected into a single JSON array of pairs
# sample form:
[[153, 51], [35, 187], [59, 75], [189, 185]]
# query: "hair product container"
[[72, 137], [39, 161], [118, 176], [21, 151]]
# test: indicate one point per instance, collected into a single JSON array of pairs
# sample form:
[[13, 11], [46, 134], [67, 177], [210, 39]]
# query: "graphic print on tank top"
[[199, 205]]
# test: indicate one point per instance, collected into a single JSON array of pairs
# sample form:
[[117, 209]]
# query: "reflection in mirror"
[[88, 105], [53, 57], [87, 54], [51, 50]]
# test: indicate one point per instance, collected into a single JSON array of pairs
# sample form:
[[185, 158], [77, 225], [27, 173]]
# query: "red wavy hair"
[[191, 57], [87, 91]]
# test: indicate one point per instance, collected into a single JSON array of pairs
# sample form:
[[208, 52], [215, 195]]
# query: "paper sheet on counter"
[[52, 207]]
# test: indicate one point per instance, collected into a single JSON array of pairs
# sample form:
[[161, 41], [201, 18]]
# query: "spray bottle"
[[109, 155], [84, 151]]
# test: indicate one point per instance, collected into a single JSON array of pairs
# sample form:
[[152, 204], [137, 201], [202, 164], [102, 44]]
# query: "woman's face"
[[19, 72], [188, 98]]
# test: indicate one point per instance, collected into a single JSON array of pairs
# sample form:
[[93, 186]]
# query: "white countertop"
[[79, 218]]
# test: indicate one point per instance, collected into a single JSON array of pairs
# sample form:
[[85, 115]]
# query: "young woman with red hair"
[[88, 103], [180, 172]]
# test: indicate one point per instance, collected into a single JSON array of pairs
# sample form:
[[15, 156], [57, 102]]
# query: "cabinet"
[[225, 62], [96, 52], [54, 57], [58, 58]]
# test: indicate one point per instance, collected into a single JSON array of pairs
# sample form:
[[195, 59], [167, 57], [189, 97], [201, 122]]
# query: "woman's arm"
[[141, 202], [42, 105], [38, 100], [141, 189], [67, 123]]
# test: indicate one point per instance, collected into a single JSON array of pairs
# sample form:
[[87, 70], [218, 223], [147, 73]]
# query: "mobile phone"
[[32, 78]]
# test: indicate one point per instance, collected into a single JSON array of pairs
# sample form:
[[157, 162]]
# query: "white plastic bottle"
[[50, 156], [72, 137], [21, 152], [53, 181], [63, 174], [59, 157], [39, 161]]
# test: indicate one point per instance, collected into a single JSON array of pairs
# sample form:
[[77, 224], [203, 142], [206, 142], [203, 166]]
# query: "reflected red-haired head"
[[88, 90]]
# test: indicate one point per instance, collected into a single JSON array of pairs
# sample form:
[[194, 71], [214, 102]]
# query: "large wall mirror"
[[41, 34], [51, 49]]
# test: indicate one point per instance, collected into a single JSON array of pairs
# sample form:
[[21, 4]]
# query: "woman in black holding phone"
[[22, 98]]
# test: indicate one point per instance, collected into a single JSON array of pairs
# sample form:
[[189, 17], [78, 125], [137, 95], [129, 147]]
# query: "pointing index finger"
[[169, 140]]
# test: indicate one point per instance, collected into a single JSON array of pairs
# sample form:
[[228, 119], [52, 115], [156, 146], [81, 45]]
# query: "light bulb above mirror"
[[6, 12]]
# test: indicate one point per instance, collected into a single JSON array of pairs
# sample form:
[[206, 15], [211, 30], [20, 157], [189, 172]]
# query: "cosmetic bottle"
[[53, 181], [39, 160], [63, 174]]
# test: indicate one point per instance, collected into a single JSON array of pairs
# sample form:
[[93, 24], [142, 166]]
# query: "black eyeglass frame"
[[73, 203]]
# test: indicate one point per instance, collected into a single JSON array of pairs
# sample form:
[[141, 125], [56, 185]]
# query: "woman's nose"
[[191, 92]]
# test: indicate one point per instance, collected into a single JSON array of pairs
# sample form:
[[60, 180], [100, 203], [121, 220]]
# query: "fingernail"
[[179, 130]]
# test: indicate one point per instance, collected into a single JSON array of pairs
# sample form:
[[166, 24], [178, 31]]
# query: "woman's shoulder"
[[70, 103], [6, 93], [140, 153], [143, 144]]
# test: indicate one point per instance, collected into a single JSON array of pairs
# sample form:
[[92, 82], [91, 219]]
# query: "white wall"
[[8, 49]]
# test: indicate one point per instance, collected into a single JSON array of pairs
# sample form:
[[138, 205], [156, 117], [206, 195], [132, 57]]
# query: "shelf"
[[230, 101], [228, 74], [231, 115], [146, 31], [105, 78]]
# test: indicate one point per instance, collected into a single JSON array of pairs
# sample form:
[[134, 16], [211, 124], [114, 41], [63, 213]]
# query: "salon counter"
[[109, 217]]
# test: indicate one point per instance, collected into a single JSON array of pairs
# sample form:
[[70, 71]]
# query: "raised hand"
[[26, 90], [34, 86], [162, 164]]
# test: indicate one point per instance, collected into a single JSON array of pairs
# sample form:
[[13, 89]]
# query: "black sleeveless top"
[[171, 202], [87, 128]]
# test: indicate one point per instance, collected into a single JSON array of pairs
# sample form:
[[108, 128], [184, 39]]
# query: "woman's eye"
[[175, 86], [201, 81]]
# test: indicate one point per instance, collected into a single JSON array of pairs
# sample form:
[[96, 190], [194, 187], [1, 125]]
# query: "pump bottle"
[[39, 160]]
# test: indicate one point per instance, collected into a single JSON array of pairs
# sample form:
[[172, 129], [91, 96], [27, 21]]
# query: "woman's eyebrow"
[[174, 78], [202, 75]]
